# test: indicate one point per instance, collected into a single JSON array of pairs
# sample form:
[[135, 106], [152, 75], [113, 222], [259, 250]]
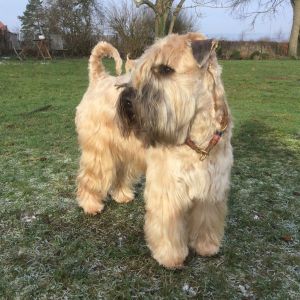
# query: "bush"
[[258, 55], [254, 55], [132, 29], [219, 51], [265, 56], [235, 55]]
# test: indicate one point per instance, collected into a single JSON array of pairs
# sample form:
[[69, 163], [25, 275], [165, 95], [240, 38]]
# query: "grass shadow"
[[254, 140]]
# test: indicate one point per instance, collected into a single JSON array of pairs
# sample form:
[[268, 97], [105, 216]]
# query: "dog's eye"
[[164, 70]]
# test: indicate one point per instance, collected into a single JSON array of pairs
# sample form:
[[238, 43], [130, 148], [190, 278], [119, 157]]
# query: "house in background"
[[8, 40]]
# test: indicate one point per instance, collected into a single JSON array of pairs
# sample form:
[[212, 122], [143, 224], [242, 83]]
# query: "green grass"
[[50, 250]]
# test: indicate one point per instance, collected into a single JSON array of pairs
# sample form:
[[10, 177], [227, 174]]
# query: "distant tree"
[[185, 22], [131, 30], [294, 42], [271, 7], [33, 21], [167, 11], [134, 29], [80, 23], [162, 10]]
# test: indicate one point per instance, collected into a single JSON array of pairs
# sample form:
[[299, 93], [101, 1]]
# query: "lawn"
[[50, 250]]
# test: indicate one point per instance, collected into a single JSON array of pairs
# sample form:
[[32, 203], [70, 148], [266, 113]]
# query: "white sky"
[[214, 22]]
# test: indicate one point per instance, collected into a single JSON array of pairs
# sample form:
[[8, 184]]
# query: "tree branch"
[[293, 3], [138, 3], [207, 4], [175, 14], [262, 7]]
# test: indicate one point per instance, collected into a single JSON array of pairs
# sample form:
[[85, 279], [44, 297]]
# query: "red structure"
[[8, 40], [2, 26]]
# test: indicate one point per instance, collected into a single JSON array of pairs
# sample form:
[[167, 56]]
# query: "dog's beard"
[[148, 114]]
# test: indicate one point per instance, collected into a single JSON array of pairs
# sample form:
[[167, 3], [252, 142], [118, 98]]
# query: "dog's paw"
[[92, 208], [207, 248], [172, 265], [171, 259], [122, 195], [171, 262]]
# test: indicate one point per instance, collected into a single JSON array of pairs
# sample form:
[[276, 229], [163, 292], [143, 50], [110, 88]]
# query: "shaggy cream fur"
[[173, 92], [109, 163]]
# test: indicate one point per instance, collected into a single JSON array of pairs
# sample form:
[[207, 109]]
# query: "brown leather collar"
[[219, 104], [205, 152]]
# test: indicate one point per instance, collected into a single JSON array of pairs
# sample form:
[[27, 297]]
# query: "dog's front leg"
[[206, 226], [165, 221], [166, 234]]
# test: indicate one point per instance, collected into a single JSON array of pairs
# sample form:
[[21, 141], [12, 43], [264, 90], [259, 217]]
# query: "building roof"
[[3, 26]]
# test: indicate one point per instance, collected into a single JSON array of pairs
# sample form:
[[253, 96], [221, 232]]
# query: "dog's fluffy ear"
[[125, 110], [202, 50]]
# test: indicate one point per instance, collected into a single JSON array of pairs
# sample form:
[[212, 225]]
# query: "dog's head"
[[168, 85]]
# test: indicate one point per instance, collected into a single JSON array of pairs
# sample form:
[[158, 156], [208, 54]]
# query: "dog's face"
[[165, 89]]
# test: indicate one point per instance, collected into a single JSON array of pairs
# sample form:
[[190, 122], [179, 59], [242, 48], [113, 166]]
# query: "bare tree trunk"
[[160, 26], [163, 8], [293, 43], [175, 14]]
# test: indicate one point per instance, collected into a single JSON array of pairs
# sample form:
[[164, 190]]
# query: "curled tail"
[[96, 68]]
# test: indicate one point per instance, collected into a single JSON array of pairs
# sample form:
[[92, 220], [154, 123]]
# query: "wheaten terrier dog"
[[171, 119], [109, 163]]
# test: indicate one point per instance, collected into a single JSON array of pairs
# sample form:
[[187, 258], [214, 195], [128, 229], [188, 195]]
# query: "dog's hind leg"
[[94, 179], [206, 226], [129, 169]]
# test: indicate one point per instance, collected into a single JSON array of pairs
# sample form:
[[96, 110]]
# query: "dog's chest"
[[183, 170]]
